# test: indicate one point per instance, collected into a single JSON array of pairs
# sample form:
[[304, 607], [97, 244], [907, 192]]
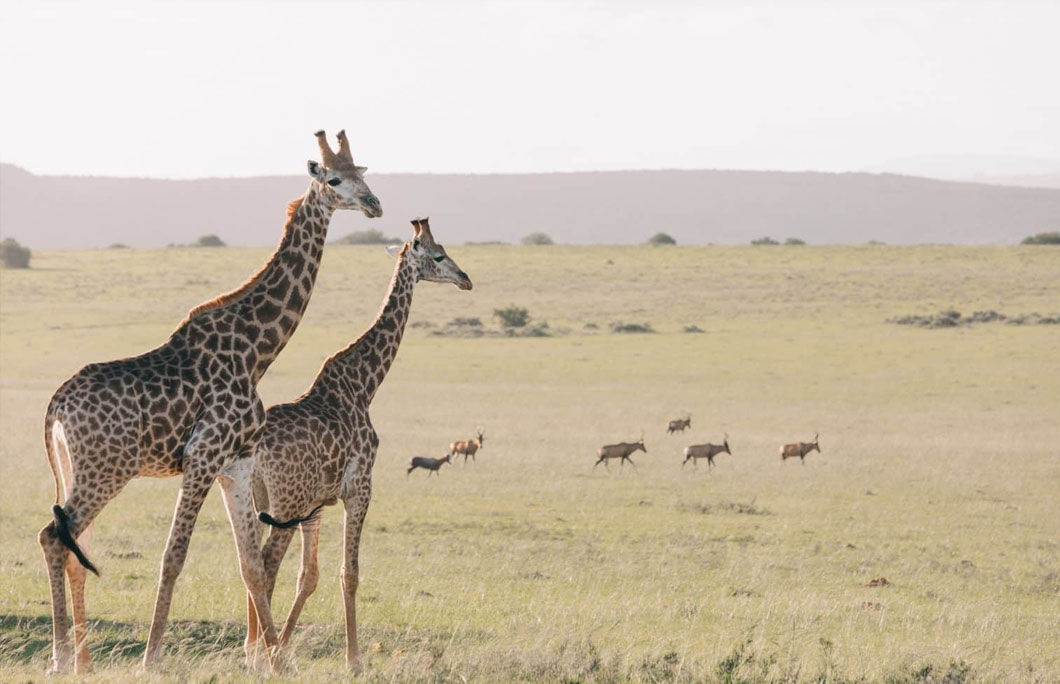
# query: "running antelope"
[[468, 447], [799, 449], [430, 464], [707, 451], [679, 425], [621, 451]]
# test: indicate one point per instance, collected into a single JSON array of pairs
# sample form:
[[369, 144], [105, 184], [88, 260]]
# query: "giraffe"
[[190, 408], [320, 448]]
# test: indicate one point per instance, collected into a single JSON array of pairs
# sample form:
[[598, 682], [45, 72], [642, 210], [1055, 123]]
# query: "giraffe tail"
[[293, 522], [62, 528], [49, 449]]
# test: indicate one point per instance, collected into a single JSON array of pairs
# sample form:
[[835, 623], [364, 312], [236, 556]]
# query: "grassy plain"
[[940, 469]]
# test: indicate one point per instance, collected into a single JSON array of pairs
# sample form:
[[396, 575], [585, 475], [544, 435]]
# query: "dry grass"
[[939, 470]]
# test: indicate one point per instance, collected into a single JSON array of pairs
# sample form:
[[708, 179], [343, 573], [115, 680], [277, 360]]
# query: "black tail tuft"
[[62, 528], [293, 522]]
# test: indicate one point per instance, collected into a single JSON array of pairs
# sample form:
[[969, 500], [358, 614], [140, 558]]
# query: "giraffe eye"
[[334, 181], [440, 258]]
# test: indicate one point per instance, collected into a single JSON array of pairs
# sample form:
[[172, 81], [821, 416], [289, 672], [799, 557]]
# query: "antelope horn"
[[330, 159], [344, 147]]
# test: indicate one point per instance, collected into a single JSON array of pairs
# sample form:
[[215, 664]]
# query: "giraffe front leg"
[[308, 577], [356, 509], [194, 487], [237, 493]]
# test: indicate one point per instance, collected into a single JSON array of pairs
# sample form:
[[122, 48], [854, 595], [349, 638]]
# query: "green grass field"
[[940, 469]]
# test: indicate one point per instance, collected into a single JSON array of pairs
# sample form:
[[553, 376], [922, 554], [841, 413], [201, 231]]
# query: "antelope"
[[707, 451], [430, 464], [468, 447], [679, 425], [621, 451], [800, 449]]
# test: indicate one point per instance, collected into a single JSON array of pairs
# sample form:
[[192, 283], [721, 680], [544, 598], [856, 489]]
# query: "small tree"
[[367, 237], [512, 316], [794, 242], [660, 239], [537, 239], [14, 255], [1052, 238], [209, 241], [764, 241]]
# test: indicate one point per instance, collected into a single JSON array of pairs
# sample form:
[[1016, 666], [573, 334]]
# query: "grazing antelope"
[[621, 451], [707, 451], [430, 464], [799, 449], [679, 425], [468, 447]]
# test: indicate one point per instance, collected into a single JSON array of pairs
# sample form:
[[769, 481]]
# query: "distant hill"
[[620, 207]]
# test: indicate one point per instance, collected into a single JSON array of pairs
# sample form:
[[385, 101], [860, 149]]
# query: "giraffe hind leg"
[[308, 577]]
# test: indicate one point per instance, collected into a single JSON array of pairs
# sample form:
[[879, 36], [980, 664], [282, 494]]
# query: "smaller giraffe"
[[320, 448]]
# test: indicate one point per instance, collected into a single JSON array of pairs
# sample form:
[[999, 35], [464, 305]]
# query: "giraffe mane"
[[231, 296]]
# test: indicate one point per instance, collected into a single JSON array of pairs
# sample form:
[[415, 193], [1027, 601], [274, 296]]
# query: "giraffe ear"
[[315, 170], [393, 250]]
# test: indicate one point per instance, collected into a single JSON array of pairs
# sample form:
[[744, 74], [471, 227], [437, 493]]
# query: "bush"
[[118, 245], [794, 242], [367, 237], [14, 255], [512, 316], [764, 241], [209, 241], [1052, 238], [620, 327], [537, 239], [693, 329], [660, 239]]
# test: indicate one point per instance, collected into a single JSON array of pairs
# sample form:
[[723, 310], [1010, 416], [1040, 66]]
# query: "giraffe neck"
[[365, 363], [262, 314]]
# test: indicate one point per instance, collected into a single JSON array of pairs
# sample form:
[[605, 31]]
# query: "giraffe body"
[[320, 448], [188, 407]]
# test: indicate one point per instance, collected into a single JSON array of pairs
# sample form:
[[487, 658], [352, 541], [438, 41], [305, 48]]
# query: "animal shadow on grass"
[[28, 638]]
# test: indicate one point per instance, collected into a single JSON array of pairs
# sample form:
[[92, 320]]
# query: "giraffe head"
[[429, 258], [342, 181]]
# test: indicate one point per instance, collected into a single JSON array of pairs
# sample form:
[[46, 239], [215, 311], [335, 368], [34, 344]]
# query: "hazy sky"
[[212, 88]]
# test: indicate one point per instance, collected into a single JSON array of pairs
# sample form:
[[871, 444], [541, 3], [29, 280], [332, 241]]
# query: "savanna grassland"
[[940, 469]]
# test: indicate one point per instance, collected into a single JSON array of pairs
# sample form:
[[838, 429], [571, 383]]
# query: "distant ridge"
[[611, 207]]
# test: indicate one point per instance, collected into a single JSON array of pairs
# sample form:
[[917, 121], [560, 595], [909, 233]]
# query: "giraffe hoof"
[[356, 666]]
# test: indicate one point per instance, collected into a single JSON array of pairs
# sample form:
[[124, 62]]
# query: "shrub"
[[512, 316], [1052, 238], [660, 239], [537, 239], [465, 322], [620, 327], [764, 241], [14, 255], [118, 245], [693, 329], [367, 237], [794, 242], [209, 241]]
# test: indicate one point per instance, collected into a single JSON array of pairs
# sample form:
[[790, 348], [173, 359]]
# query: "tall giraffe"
[[188, 407], [320, 448]]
